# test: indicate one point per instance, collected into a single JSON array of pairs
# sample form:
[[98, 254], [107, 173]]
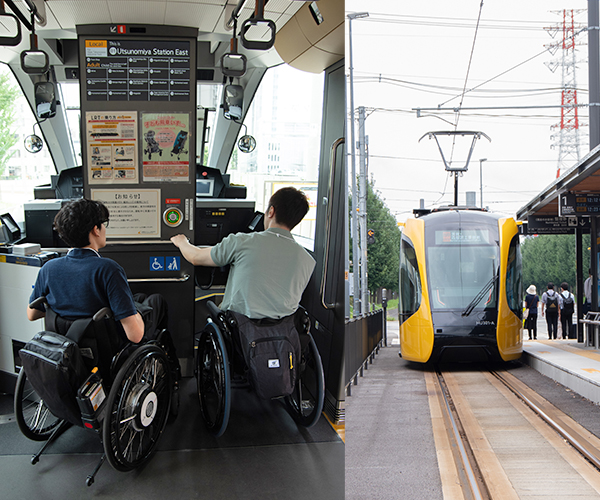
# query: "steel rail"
[[474, 484], [579, 445]]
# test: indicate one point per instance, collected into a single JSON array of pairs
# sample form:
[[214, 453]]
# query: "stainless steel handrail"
[[332, 162], [183, 278]]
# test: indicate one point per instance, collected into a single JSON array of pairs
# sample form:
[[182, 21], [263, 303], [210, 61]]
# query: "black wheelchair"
[[137, 379], [218, 362]]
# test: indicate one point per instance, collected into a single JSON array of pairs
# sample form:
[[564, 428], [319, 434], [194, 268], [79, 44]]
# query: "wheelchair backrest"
[[99, 338]]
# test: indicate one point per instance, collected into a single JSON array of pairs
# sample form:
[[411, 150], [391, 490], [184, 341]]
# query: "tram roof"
[[583, 177]]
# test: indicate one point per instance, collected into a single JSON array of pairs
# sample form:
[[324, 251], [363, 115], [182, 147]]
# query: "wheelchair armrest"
[[103, 313], [39, 301], [213, 309]]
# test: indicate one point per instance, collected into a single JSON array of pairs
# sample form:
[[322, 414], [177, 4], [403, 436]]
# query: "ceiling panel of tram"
[[207, 15]]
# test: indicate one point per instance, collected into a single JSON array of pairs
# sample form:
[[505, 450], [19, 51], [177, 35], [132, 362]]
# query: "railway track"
[[498, 439]]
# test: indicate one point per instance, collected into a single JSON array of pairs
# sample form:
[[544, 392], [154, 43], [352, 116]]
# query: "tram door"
[[324, 297], [138, 119]]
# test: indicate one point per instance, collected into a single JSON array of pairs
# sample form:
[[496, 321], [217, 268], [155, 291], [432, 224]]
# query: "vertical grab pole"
[[332, 162]]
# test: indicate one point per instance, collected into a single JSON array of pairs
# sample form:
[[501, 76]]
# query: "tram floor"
[[391, 449], [263, 454]]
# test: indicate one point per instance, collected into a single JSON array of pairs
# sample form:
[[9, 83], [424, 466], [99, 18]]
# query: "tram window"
[[514, 284], [285, 119], [209, 98], [20, 171], [459, 272], [410, 281], [71, 101]]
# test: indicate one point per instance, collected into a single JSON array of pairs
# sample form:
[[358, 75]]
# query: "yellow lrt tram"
[[460, 287]]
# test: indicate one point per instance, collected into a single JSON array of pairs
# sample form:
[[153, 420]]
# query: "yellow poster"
[[111, 139]]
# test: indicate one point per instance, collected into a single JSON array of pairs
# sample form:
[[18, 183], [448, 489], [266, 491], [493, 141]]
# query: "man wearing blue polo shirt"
[[269, 270], [81, 283]]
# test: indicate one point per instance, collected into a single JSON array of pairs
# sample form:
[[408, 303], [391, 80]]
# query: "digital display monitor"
[[462, 236], [205, 187]]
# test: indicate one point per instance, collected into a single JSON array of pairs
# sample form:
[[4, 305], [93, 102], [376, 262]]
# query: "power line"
[[385, 157]]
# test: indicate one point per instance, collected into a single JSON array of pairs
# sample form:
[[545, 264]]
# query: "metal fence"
[[363, 338]]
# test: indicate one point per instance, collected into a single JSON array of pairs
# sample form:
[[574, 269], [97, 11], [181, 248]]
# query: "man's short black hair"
[[76, 219], [290, 204], [551, 286], [564, 285]]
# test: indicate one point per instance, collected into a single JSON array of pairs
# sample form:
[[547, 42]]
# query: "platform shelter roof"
[[583, 177]]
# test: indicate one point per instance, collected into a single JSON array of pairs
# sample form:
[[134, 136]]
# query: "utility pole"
[[594, 72], [362, 209], [358, 309]]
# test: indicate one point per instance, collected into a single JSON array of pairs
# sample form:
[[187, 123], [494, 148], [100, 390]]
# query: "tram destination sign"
[[539, 224], [579, 204], [134, 70]]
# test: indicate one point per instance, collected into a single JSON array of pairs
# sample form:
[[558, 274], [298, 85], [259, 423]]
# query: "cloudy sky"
[[409, 55]]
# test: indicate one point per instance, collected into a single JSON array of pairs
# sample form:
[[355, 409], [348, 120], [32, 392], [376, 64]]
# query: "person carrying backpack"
[[566, 310], [551, 305]]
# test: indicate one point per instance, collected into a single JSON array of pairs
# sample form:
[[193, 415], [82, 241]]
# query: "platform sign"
[[579, 204], [540, 224]]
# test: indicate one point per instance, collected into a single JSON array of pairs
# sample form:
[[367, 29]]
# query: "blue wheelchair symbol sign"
[[157, 263], [173, 264]]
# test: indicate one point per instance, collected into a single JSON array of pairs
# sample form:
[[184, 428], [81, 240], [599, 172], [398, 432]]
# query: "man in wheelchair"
[[91, 307], [267, 277], [81, 283], [269, 270]]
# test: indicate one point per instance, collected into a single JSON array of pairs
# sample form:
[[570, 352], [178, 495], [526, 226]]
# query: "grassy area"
[[392, 304]]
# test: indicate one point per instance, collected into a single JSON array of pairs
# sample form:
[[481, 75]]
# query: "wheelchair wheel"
[[137, 408], [214, 379], [305, 404], [33, 416]]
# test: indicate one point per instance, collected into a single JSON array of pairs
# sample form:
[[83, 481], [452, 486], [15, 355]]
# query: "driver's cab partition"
[[138, 129]]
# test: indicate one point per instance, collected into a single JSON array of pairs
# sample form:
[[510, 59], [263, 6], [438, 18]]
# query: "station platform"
[[566, 361]]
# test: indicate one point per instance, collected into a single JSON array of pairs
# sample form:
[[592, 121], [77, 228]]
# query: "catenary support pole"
[[579, 285]]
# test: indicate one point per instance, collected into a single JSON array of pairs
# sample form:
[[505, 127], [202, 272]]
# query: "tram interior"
[[259, 108]]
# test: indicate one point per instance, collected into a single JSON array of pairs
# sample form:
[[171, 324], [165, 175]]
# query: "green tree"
[[552, 258], [383, 255], [8, 95]]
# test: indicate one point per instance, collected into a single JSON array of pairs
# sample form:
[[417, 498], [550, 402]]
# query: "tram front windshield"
[[462, 269]]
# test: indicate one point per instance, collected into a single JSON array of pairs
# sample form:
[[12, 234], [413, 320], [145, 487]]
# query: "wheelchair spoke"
[[213, 381], [139, 405], [34, 418]]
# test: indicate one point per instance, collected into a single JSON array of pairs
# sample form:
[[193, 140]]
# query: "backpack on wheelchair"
[[83, 372], [279, 358]]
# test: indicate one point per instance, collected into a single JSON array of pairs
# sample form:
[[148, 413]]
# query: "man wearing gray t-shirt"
[[268, 270]]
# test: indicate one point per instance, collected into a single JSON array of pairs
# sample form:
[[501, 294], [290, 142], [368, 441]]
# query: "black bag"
[[568, 304], [55, 369], [552, 302], [271, 351]]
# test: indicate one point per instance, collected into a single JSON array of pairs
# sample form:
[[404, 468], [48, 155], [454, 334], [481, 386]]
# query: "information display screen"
[[137, 70], [462, 236]]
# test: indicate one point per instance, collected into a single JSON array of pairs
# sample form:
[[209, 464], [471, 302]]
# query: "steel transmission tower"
[[567, 140]]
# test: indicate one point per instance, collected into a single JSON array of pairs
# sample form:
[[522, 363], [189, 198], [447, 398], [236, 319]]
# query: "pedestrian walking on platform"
[[567, 309], [531, 305], [551, 305]]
